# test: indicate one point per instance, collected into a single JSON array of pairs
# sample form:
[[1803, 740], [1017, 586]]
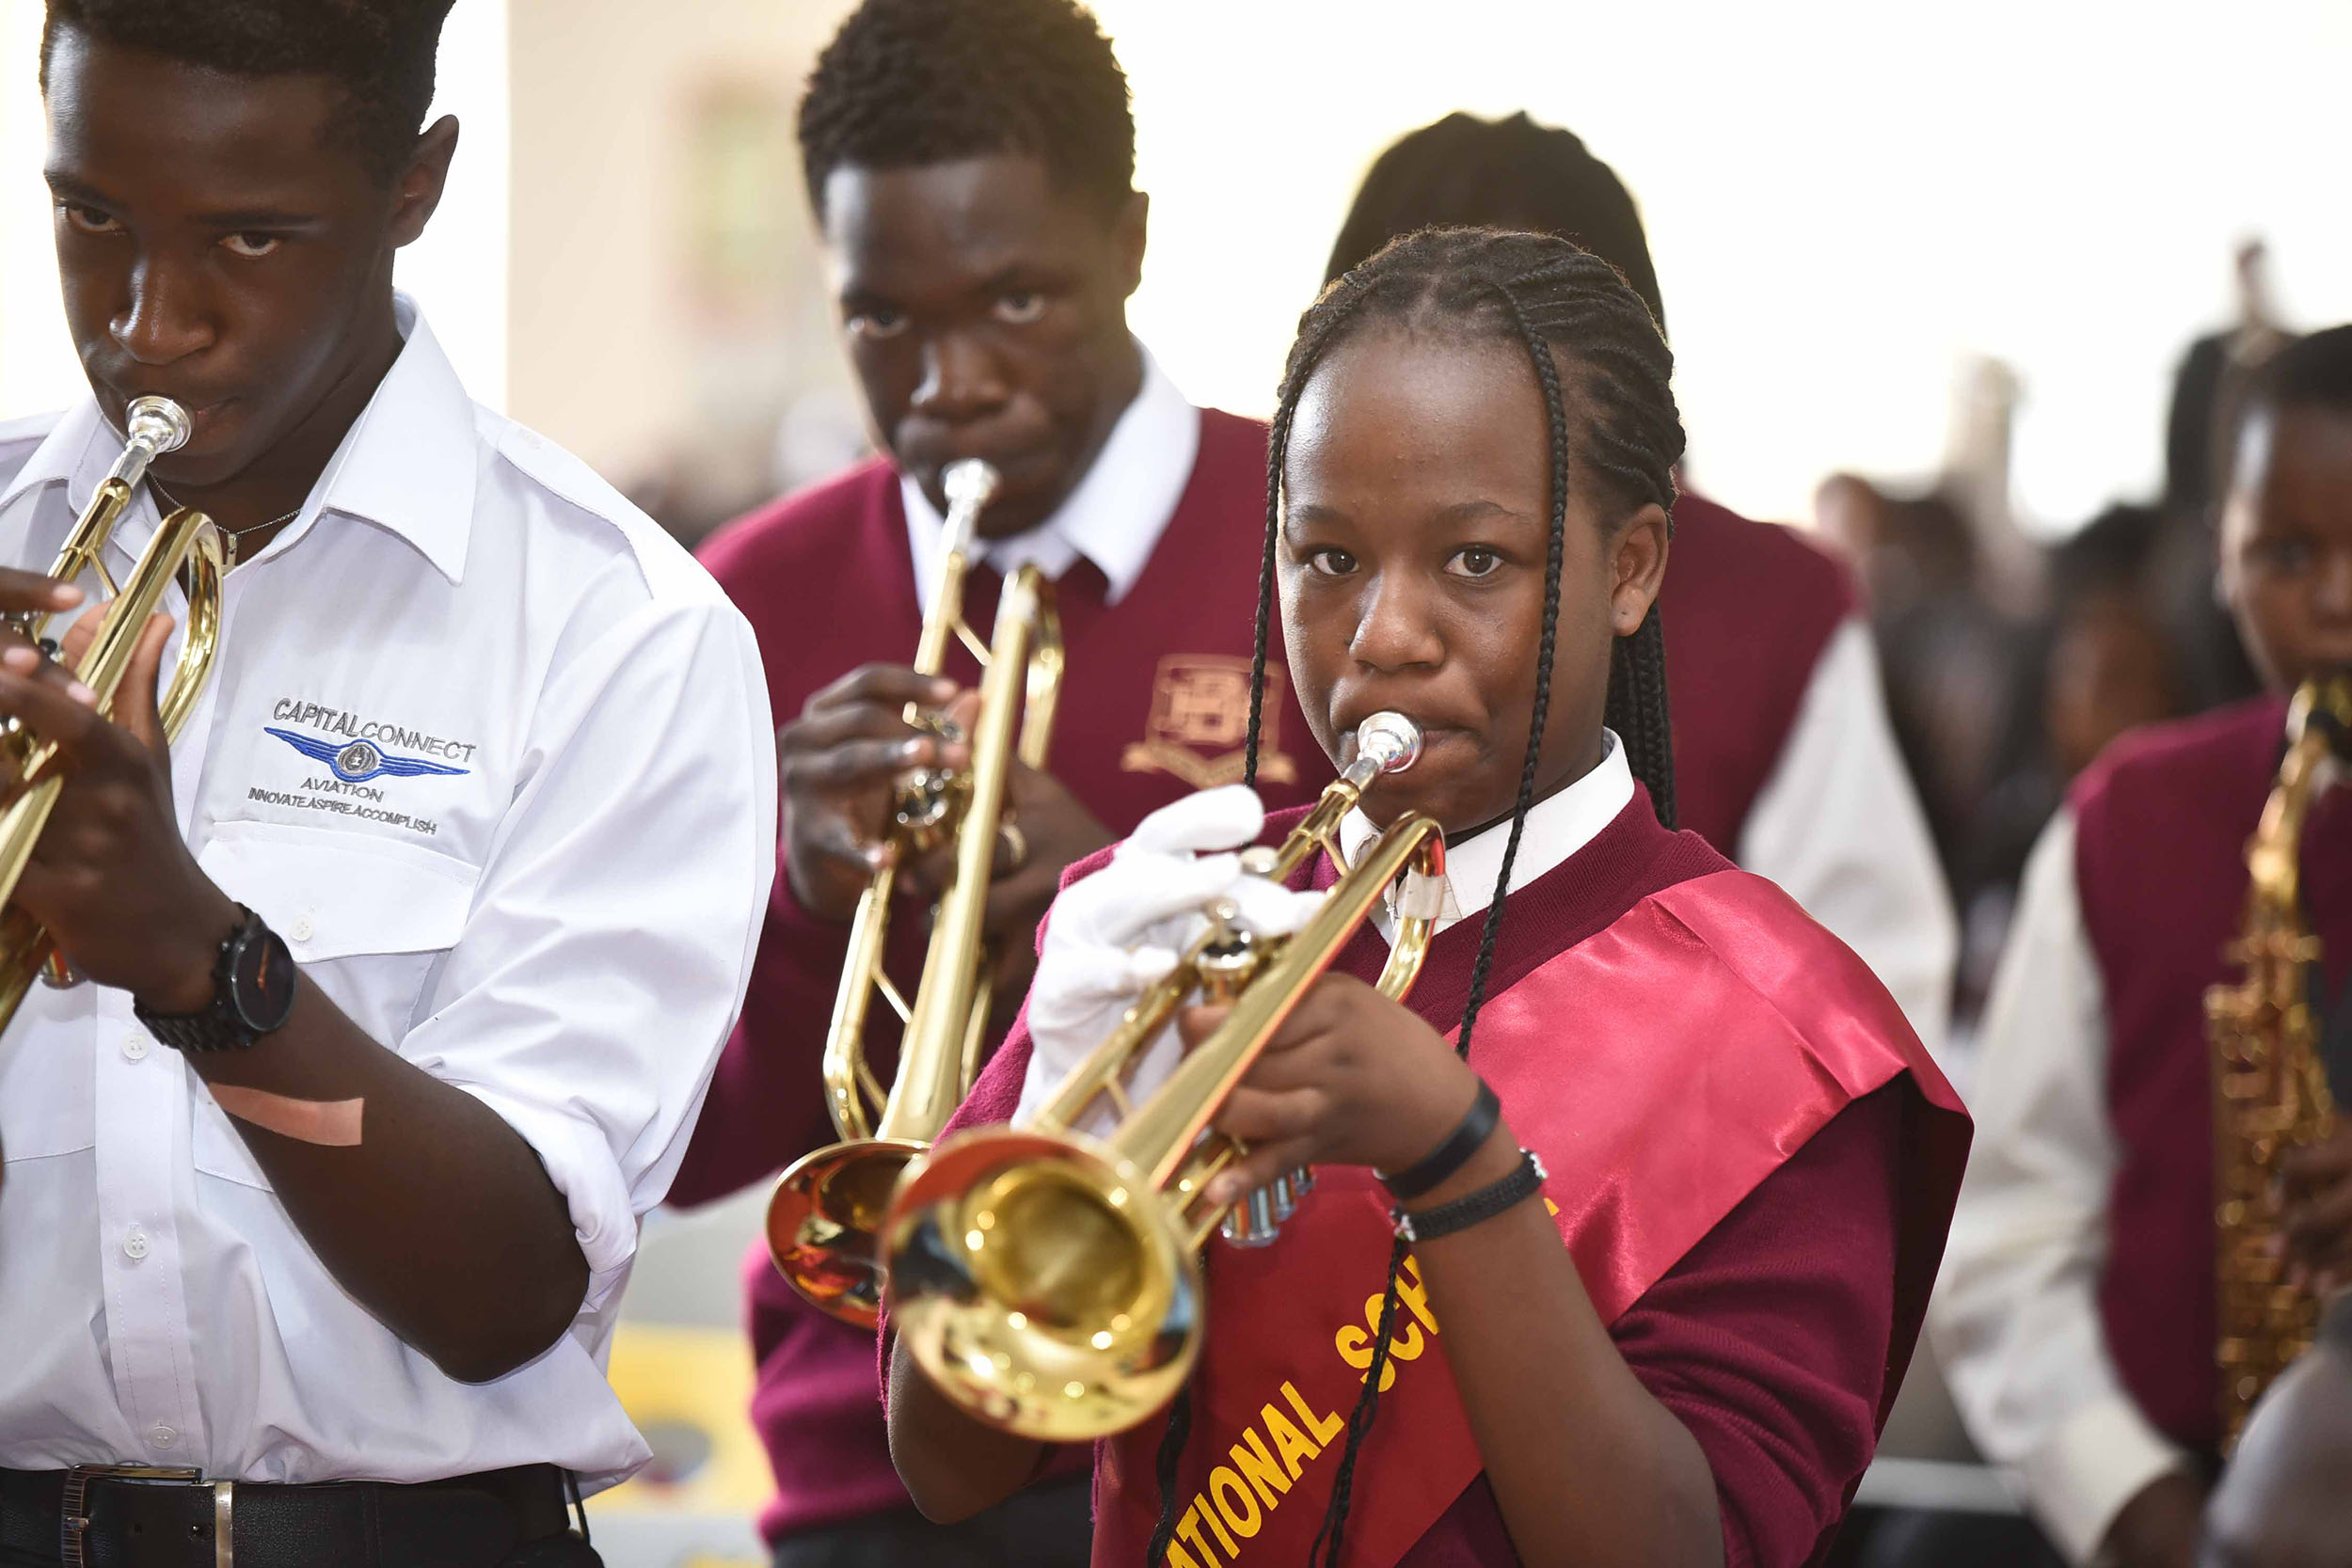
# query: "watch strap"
[[217, 1025]]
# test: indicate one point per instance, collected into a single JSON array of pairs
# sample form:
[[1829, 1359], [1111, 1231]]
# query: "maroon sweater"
[[1748, 609], [1778, 1339], [1157, 682], [2161, 824]]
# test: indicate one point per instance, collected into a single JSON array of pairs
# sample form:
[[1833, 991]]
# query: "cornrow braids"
[[1561, 303]]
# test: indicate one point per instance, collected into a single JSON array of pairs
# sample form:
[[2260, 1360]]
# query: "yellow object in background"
[[688, 1389]]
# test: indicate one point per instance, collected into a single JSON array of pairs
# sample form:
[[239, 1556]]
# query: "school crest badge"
[[1199, 723]]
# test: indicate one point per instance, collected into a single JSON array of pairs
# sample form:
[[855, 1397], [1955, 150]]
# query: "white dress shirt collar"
[[1116, 514], [407, 464], [1557, 827]]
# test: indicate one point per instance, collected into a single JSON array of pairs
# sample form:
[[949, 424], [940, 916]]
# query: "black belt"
[[137, 1516]]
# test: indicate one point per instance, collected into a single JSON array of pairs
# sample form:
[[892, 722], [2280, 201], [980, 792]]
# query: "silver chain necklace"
[[232, 537]]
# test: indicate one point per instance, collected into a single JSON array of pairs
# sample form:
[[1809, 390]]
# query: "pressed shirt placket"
[[142, 1129]]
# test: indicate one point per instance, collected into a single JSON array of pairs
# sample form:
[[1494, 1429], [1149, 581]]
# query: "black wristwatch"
[[253, 994]]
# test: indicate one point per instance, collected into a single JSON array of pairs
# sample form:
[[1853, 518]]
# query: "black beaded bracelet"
[[1523, 1183], [1466, 1139]]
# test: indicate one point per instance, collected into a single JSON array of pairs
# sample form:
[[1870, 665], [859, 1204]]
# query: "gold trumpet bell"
[[1058, 1305], [824, 1224]]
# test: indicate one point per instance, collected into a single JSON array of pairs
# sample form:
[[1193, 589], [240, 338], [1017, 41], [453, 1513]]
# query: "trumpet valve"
[[1257, 1220], [57, 973], [1230, 957], [923, 812]]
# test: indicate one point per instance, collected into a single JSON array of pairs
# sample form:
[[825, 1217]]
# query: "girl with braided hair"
[[1746, 1163]]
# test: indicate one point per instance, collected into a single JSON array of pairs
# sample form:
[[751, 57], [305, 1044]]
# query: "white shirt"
[[2016, 1315], [557, 918], [1114, 518], [1840, 827], [1557, 827]]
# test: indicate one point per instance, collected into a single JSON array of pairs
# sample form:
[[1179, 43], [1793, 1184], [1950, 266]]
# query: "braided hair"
[[1596, 349]]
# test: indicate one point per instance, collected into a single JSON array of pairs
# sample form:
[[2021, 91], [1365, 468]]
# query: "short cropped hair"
[[379, 53], [907, 83]]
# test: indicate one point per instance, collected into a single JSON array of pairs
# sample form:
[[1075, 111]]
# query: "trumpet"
[[186, 539], [826, 1209], [1049, 1282], [2270, 1085]]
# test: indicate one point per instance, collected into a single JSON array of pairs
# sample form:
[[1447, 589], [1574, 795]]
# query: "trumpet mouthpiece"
[[1386, 743], [970, 484], [159, 422]]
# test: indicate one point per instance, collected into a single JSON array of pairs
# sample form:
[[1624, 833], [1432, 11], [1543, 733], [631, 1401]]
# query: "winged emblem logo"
[[357, 761]]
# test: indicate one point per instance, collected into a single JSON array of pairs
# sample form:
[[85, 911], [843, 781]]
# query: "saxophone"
[[2269, 1082]]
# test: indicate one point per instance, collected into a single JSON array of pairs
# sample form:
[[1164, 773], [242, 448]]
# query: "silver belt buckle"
[[73, 1516]]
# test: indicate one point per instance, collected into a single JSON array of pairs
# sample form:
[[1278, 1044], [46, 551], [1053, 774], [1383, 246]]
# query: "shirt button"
[[164, 1436], [135, 1248], [135, 1045], [301, 930]]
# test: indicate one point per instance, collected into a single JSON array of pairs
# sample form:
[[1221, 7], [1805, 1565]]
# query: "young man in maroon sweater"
[[1784, 756], [2075, 1316], [971, 164]]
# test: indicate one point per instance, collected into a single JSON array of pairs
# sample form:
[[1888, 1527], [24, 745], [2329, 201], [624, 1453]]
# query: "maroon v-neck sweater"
[[2161, 824], [1154, 706]]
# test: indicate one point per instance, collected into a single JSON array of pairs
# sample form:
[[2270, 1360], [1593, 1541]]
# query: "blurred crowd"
[[2010, 664]]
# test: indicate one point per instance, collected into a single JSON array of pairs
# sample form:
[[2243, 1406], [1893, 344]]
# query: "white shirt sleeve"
[[1840, 827], [2016, 1315], [611, 938]]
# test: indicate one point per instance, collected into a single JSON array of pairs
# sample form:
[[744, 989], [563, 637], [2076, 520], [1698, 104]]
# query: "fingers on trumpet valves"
[[28, 661]]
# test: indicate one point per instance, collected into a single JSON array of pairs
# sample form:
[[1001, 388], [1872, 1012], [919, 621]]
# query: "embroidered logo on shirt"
[[359, 761], [1200, 702]]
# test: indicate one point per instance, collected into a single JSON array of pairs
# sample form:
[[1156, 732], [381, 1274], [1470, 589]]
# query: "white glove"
[[1114, 933]]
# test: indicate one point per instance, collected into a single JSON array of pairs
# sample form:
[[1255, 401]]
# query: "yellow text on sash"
[[1275, 1449]]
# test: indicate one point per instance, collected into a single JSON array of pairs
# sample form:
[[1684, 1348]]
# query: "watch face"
[[261, 980]]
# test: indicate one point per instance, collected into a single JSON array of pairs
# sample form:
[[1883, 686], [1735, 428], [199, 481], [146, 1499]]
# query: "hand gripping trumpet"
[[825, 1212], [2270, 1083], [185, 538], [1049, 1282]]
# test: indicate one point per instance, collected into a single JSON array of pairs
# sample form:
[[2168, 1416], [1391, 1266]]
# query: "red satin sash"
[[1662, 1068]]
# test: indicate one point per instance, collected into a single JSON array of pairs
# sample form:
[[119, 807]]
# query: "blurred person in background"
[[2075, 1314], [2281, 1502], [1784, 757], [1952, 658], [2209, 380], [971, 163], [2097, 662]]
